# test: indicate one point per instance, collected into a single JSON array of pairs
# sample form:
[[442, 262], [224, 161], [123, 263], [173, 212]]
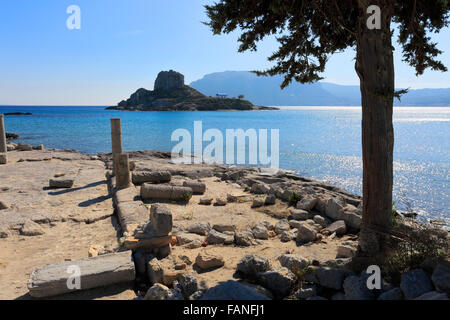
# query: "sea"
[[322, 143]]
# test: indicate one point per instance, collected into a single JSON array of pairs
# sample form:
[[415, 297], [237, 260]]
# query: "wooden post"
[[116, 141]]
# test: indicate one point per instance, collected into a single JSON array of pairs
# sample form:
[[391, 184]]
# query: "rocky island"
[[171, 94]]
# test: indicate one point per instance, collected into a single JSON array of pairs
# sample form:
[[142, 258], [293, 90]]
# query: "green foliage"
[[408, 251], [309, 31], [186, 196], [293, 199], [241, 96], [301, 273]]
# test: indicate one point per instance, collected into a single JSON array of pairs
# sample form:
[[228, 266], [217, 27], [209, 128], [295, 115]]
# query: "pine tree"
[[309, 31]]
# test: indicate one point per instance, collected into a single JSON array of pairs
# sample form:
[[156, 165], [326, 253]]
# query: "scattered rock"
[[282, 225], [200, 228], [270, 200], [393, 294], [287, 236], [355, 288], [352, 218], [307, 203], [251, 264], [3, 205], [294, 262], [257, 202], [196, 295], [232, 198], [260, 188], [297, 214], [171, 276], [244, 238], [194, 244], [441, 278], [306, 233], [338, 296], [233, 290], [338, 227], [207, 260], [334, 208], [31, 229], [161, 292], [4, 233], [93, 251], [155, 271], [433, 295], [187, 238], [188, 284], [279, 281], [206, 201], [267, 224], [415, 283], [295, 224], [185, 259], [320, 221], [221, 202], [215, 237], [222, 227], [306, 291], [260, 232], [346, 251], [319, 298], [328, 277]]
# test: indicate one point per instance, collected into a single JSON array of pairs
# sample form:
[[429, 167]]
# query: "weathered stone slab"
[[130, 210], [51, 280], [131, 214]]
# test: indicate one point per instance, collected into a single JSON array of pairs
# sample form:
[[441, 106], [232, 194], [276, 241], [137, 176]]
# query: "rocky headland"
[[171, 94]]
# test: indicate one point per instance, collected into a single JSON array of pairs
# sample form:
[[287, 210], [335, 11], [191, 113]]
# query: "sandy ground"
[[77, 218], [61, 213]]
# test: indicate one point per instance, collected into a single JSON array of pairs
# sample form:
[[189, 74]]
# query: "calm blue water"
[[321, 143]]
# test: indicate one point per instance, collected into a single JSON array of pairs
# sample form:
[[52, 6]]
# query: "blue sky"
[[122, 45]]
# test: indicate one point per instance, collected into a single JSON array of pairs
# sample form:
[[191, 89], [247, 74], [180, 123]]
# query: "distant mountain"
[[266, 91]]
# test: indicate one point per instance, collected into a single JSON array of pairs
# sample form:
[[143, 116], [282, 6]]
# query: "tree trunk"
[[375, 68]]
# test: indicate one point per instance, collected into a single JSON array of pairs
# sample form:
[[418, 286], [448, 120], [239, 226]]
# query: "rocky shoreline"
[[190, 230]]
